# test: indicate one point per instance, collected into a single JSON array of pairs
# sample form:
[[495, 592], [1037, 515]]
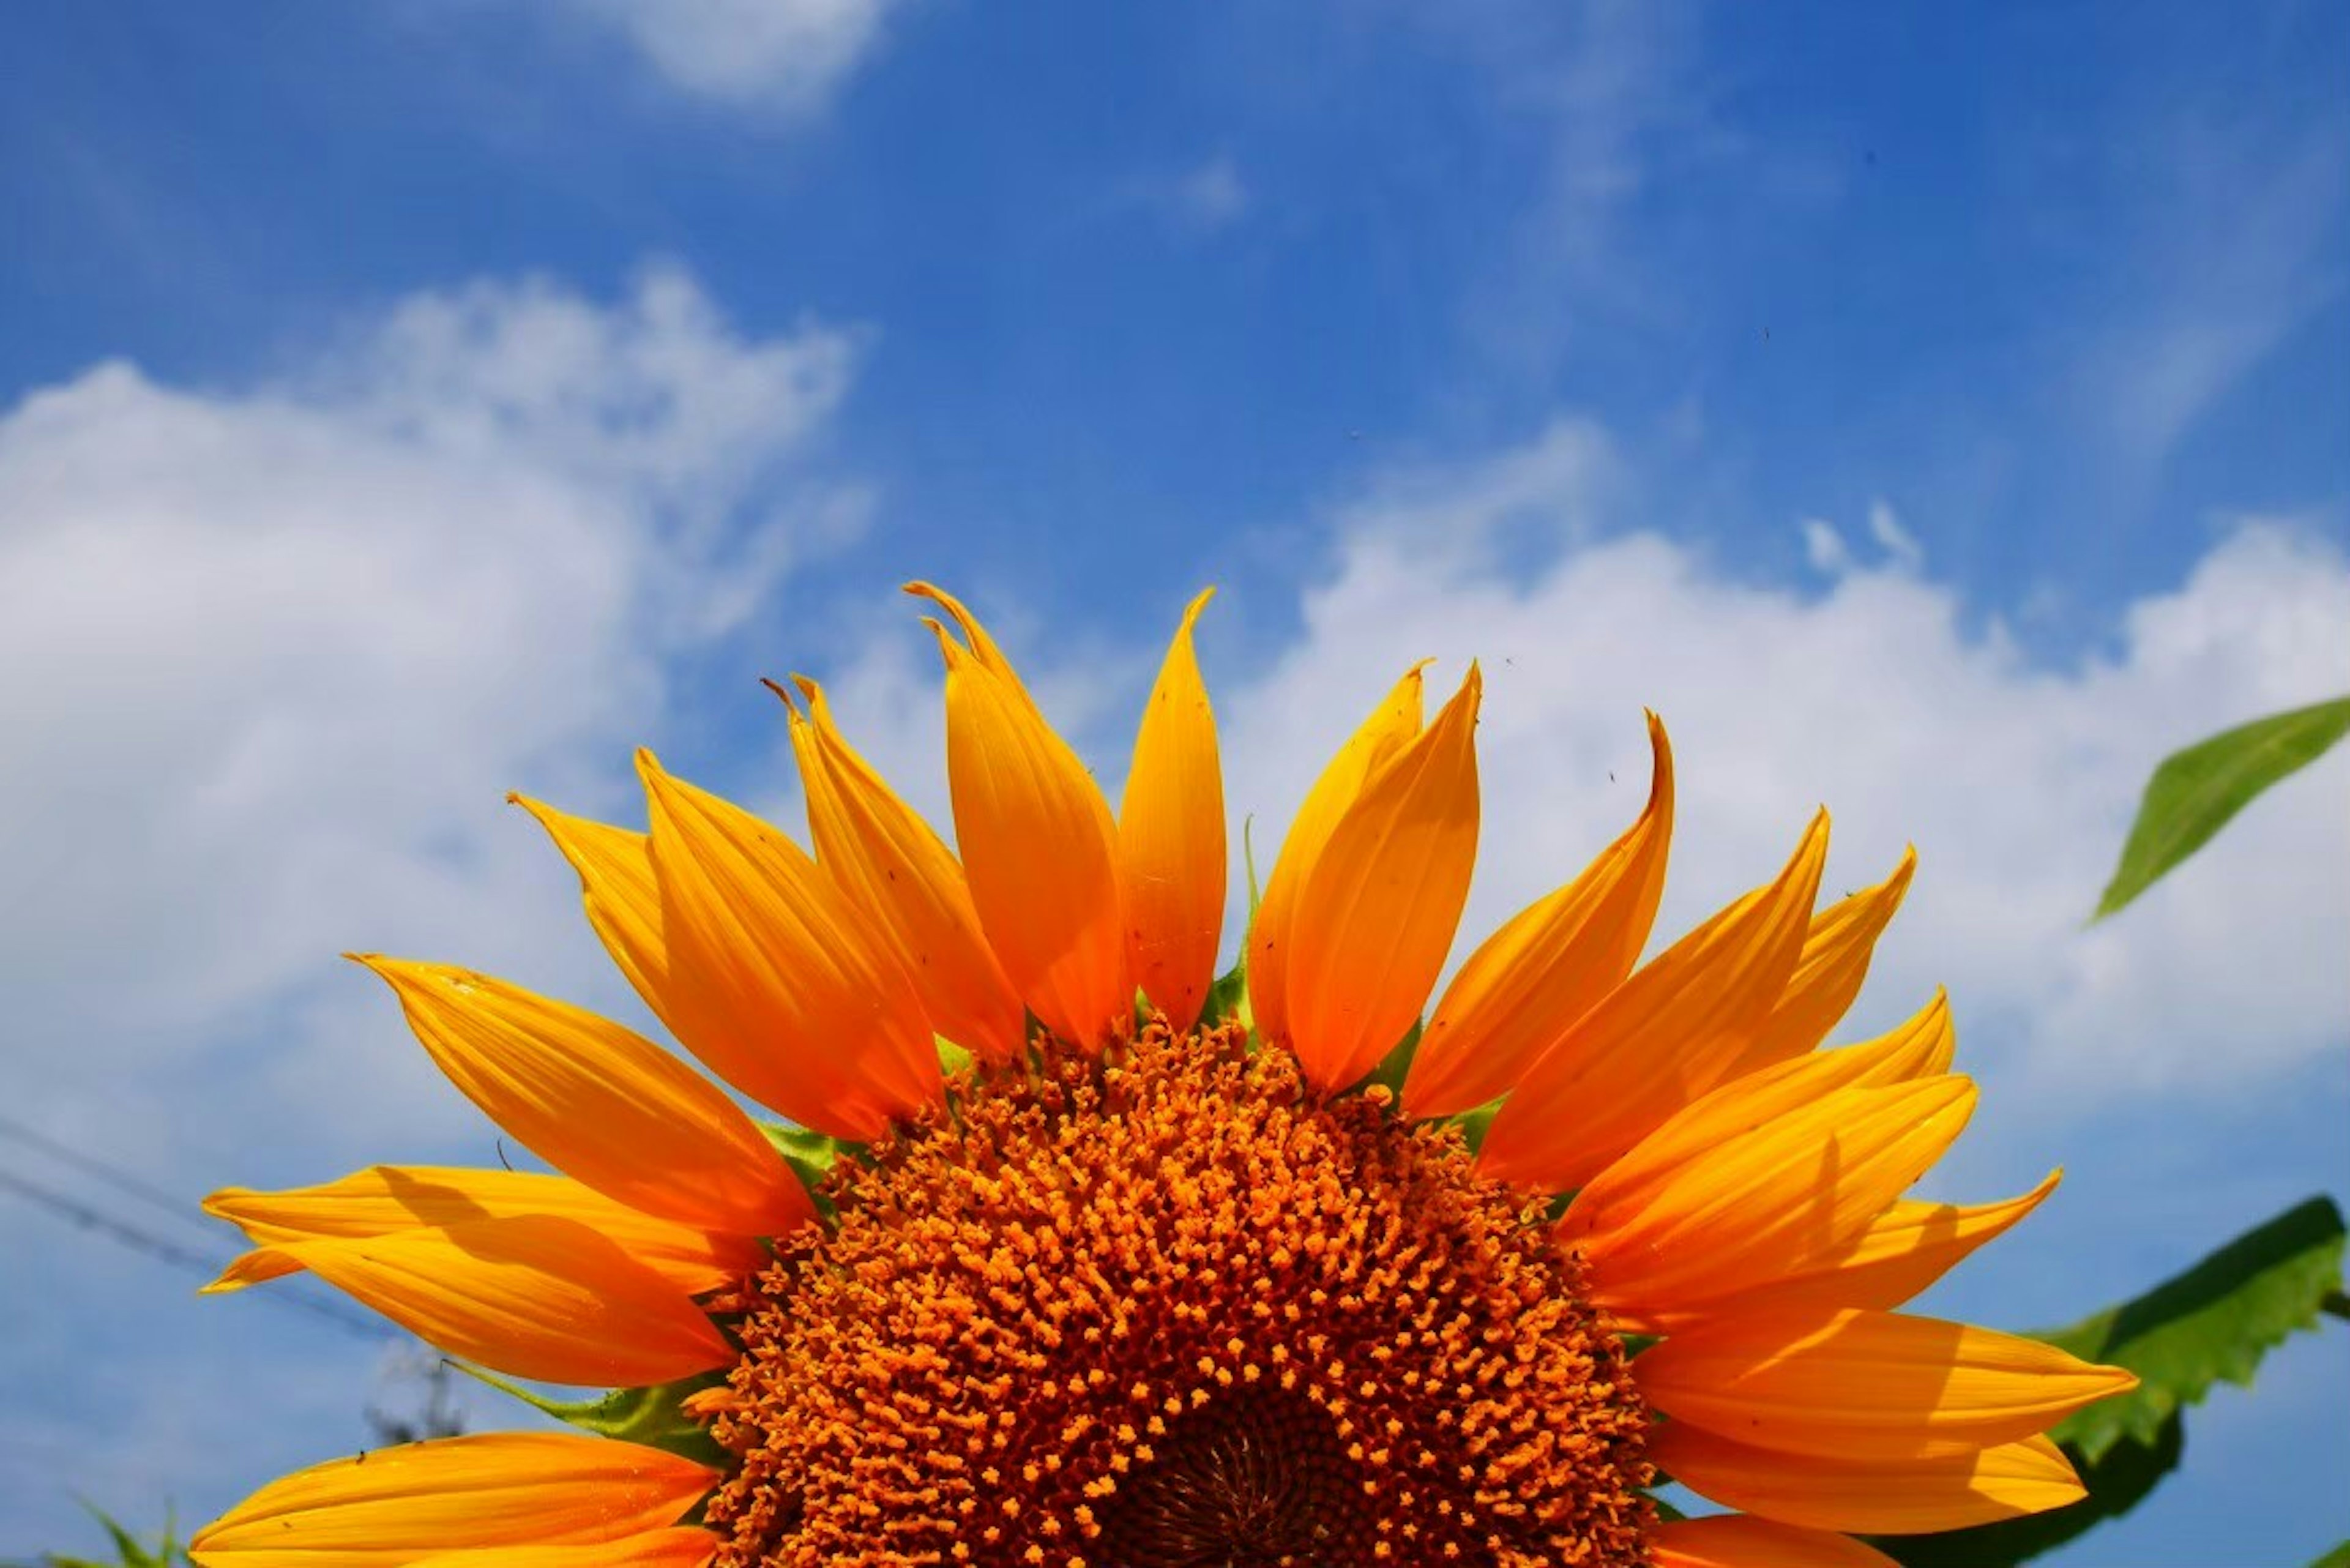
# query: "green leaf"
[[2337, 1558], [2194, 793], [2215, 1321], [168, 1552], [653, 1417]]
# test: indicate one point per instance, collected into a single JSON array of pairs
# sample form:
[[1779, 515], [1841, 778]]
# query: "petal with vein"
[[1893, 1497], [1170, 837], [1870, 1385], [1041, 851], [1391, 727], [600, 1101], [683, 1547], [532, 1295], [1761, 1203], [384, 1199], [1743, 1541], [1829, 976], [623, 901], [829, 1030], [1548, 966], [1666, 1036], [1377, 915], [387, 1507], [1895, 1257], [881, 850], [1917, 1049]]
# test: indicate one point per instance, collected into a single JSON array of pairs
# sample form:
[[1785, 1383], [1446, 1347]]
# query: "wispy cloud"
[[790, 57]]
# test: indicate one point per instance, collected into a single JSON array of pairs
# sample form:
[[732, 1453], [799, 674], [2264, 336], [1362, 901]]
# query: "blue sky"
[[1940, 413]]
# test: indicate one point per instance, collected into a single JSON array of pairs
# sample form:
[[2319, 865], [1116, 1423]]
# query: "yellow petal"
[[828, 1028], [983, 647], [1895, 1257], [683, 1547], [1917, 1049], [1377, 915], [1743, 1541], [1894, 1496], [1871, 1386], [1660, 1238], [1392, 726], [1666, 1036], [1547, 967], [601, 1102], [622, 897], [1829, 976], [1040, 849], [387, 1507], [532, 1295], [385, 1200], [1170, 837], [889, 860]]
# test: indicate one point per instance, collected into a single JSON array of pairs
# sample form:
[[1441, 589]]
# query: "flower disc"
[[1174, 1311]]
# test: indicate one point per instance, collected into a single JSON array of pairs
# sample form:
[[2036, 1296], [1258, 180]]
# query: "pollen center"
[[1173, 1310]]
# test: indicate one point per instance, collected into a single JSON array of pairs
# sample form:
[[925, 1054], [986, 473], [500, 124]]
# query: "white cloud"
[[281, 647], [1212, 196], [1882, 699], [791, 56]]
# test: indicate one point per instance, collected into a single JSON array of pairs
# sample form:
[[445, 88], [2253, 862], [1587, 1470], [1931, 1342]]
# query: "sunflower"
[[1078, 1256]]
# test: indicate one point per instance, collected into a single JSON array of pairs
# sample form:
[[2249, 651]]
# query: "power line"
[[113, 1175], [125, 1234]]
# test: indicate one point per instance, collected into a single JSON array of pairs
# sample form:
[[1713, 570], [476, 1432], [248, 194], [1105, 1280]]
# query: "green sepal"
[[952, 1058], [1474, 1125], [652, 1418], [1396, 1065], [1228, 997], [811, 1155]]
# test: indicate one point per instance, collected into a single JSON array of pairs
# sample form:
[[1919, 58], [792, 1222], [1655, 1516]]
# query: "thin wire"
[[125, 1234], [113, 1175]]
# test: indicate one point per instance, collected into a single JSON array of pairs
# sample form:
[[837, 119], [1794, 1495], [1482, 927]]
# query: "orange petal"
[[532, 1295], [889, 860], [1170, 837], [1377, 915], [385, 1200], [1391, 727], [1040, 848], [1548, 967], [1829, 976], [1669, 1034], [1897, 1255], [828, 1028], [1917, 1049], [600, 1101], [683, 1547], [623, 901], [387, 1507], [1894, 1496], [983, 647], [1871, 1386], [1743, 1541], [1659, 1237]]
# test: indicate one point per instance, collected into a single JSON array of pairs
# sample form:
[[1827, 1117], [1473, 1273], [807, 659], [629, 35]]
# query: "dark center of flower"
[[1173, 1311], [1257, 1481]]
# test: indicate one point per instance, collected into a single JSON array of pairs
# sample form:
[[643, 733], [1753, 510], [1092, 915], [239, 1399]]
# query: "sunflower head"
[[1083, 1258]]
